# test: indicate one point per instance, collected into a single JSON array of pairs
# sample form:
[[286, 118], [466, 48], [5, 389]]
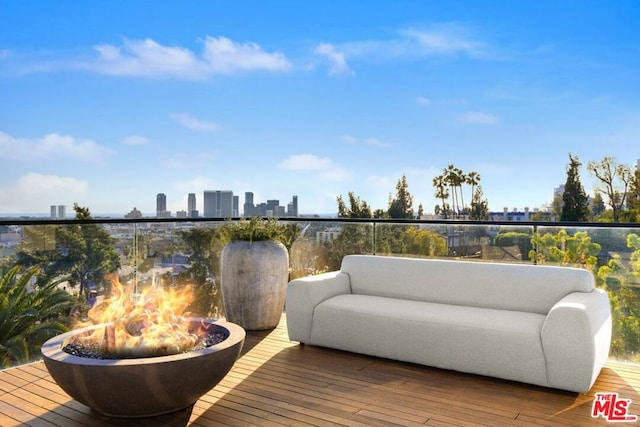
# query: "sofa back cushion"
[[520, 287]]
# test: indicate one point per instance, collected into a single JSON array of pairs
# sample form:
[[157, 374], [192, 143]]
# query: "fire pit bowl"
[[143, 387]]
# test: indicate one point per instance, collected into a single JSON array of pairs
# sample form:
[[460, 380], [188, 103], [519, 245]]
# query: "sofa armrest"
[[576, 337], [304, 294]]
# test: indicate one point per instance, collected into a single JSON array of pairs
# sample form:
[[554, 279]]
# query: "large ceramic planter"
[[254, 277], [143, 387]]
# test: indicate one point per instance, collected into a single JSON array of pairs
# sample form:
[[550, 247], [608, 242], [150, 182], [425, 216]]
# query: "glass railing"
[[86, 258]]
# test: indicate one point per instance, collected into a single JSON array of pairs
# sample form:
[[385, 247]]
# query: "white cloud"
[[366, 141], [135, 140], [38, 184], [444, 39], [34, 192], [223, 55], [326, 168], [190, 122], [337, 63], [52, 145], [148, 58], [447, 39], [423, 101], [479, 118]]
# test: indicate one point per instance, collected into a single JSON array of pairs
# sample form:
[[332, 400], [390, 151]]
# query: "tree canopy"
[[82, 253], [574, 200], [613, 180], [401, 206]]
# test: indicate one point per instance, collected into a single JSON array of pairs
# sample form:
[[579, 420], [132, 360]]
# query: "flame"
[[144, 325]]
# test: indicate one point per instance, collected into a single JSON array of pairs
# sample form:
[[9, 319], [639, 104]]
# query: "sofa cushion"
[[518, 287], [499, 343]]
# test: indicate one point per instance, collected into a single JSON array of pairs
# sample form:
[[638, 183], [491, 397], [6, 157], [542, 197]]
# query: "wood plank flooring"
[[277, 382]]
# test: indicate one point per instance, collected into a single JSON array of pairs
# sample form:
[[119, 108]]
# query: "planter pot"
[[254, 277]]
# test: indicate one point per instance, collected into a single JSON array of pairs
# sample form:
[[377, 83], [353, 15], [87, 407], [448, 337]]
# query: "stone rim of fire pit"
[[143, 387]]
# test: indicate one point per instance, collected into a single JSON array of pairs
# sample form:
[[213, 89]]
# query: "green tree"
[[574, 200], [205, 245], [454, 177], [632, 214], [442, 194], [424, 242], [473, 179], [353, 238], [83, 253], [620, 281], [556, 206], [597, 206], [200, 242], [450, 184], [29, 317], [402, 205], [613, 180], [479, 206], [357, 208], [562, 248], [89, 252]]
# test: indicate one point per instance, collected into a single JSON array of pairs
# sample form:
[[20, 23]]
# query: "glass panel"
[[613, 256], [84, 259]]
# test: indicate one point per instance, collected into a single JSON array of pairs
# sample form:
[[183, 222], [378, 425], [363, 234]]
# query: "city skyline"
[[105, 104]]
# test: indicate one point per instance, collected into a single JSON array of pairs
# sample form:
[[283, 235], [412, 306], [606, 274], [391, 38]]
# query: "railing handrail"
[[98, 220]]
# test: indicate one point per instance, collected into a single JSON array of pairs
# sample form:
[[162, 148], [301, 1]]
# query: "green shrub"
[[257, 229]]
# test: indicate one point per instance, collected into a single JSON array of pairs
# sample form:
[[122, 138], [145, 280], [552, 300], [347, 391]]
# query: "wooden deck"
[[277, 382]]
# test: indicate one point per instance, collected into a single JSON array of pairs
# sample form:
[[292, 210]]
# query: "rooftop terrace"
[[277, 382]]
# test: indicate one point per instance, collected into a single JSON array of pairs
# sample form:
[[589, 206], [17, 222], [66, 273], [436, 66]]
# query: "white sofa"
[[541, 325]]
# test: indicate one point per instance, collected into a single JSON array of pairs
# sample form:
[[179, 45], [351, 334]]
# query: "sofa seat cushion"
[[485, 341]]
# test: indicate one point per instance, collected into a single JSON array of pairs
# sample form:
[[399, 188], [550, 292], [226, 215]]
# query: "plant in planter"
[[254, 271]]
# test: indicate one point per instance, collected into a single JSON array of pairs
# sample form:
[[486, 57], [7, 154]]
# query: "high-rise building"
[[236, 206], [134, 213], [58, 212], [225, 208], [161, 206], [270, 208], [292, 208], [220, 204], [192, 211], [248, 208], [210, 204]]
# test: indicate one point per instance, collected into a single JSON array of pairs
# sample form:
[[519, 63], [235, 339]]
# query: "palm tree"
[[28, 317], [451, 178], [461, 178], [473, 179], [442, 193]]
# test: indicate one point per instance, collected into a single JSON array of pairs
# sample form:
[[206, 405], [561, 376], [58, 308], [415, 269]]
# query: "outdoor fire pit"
[[144, 386]]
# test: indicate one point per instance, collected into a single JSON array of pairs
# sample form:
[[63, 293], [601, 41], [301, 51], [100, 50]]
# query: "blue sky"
[[108, 103]]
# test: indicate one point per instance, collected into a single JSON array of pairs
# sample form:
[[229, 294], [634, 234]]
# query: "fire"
[[144, 325]]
